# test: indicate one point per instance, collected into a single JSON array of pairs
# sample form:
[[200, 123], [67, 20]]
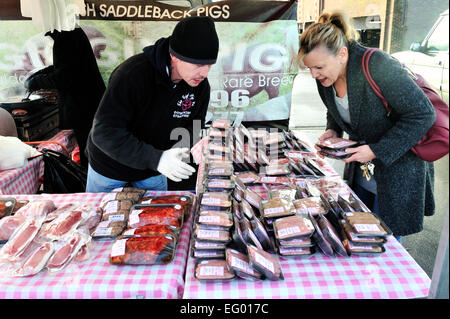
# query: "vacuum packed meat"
[[147, 250]]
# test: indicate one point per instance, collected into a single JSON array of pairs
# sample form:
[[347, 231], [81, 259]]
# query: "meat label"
[[118, 248], [359, 247], [296, 250], [212, 271], [288, 231], [116, 218], [366, 228], [203, 233], [133, 219], [242, 265], [209, 219], [211, 201], [102, 232], [264, 262], [354, 237], [274, 210], [111, 207]]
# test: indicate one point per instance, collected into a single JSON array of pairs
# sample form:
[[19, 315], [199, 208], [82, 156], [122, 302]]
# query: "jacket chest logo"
[[186, 102]]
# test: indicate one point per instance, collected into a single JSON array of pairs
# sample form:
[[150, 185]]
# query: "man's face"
[[192, 74]]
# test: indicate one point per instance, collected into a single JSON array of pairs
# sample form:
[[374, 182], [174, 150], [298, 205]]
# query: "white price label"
[[118, 248], [203, 233], [274, 210], [116, 218], [212, 271], [367, 228], [288, 231], [264, 262], [242, 265], [209, 219], [111, 207]]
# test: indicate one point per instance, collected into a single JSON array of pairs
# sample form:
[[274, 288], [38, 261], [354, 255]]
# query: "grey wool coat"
[[404, 181]]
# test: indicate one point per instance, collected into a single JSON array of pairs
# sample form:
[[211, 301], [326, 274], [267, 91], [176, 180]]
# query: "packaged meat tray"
[[247, 177], [292, 227], [215, 218], [19, 204], [253, 198], [221, 236], [331, 234], [363, 250], [219, 185], [275, 170], [219, 172], [361, 239], [261, 234], [265, 263], [216, 199], [6, 206], [127, 189], [337, 143], [103, 232], [247, 210], [319, 238], [367, 224], [296, 242], [295, 251], [277, 207], [147, 250], [214, 269], [133, 196], [286, 193], [208, 245], [240, 263], [313, 205], [208, 253], [156, 214], [151, 230]]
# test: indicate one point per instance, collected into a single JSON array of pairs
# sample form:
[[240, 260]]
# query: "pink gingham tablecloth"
[[96, 278], [25, 179], [392, 275]]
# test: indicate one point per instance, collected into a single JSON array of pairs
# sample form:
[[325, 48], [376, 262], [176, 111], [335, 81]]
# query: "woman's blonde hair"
[[333, 31]]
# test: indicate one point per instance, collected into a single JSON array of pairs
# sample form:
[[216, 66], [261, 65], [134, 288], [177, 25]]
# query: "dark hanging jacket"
[[142, 114], [76, 77], [404, 181]]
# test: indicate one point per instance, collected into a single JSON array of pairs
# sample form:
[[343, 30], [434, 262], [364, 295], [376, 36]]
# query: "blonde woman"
[[401, 190]]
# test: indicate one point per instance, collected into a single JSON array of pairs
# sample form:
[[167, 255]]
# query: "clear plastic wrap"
[[214, 269], [265, 263], [148, 250], [6, 206]]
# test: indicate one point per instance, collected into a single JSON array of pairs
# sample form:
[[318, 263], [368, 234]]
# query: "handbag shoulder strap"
[[365, 67]]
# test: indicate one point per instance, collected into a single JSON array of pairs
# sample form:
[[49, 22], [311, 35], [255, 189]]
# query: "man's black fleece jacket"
[[138, 112]]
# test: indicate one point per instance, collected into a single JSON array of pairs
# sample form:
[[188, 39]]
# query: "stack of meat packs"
[[38, 236], [145, 227], [261, 199]]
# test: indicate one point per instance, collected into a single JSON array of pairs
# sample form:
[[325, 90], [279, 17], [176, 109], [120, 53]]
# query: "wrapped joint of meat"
[[66, 252], [20, 239], [63, 225], [8, 225], [143, 250], [37, 209], [36, 261]]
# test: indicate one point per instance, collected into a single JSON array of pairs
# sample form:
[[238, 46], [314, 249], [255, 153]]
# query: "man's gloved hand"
[[171, 164]]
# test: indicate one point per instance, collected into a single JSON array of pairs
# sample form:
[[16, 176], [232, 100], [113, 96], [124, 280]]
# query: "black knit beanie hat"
[[195, 40]]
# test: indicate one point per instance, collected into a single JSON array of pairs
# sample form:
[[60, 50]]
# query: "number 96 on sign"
[[221, 98]]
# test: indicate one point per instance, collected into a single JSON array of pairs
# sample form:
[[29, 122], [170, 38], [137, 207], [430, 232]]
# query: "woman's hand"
[[326, 135], [361, 154]]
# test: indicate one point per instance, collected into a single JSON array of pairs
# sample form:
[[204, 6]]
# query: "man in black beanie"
[[148, 96]]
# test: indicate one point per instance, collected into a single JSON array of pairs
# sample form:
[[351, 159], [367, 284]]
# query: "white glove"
[[171, 164]]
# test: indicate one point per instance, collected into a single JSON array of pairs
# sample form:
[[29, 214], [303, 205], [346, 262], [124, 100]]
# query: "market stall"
[[391, 273], [26, 179]]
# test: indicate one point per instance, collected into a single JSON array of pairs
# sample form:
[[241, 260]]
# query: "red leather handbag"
[[435, 143]]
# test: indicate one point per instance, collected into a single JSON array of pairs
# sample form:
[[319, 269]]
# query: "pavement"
[[308, 114]]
